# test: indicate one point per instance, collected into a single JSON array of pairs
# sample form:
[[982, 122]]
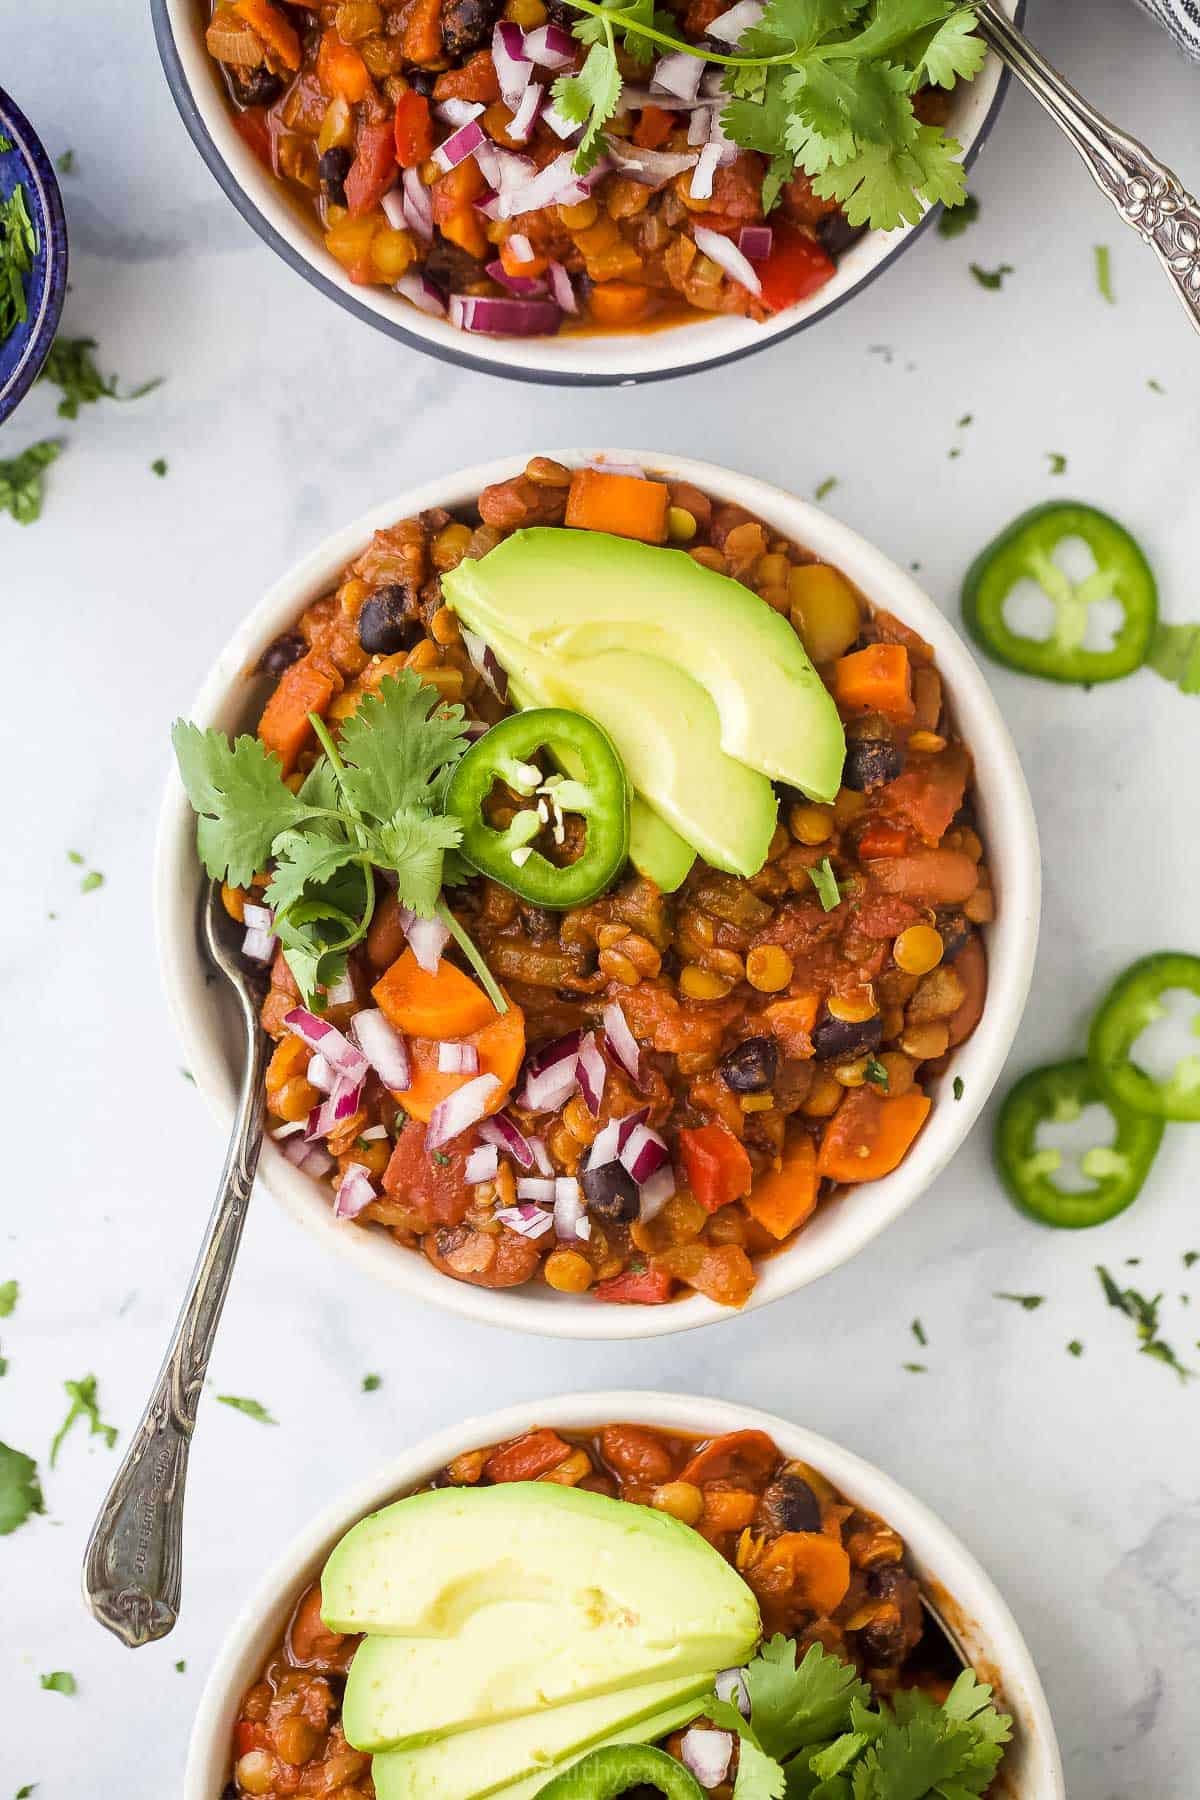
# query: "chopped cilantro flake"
[[159, 465], [967, 419], [76, 857], [253, 1409], [181, 1667], [66, 163], [915, 1368], [71, 368], [826, 487], [826, 884], [60, 1682], [1030, 1302], [91, 881], [1057, 461], [1144, 1314], [918, 1331], [22, 488], [371, 1383], [1075, 1348], [1104, 273], [1191, 1258], [10, 1293], [955, 220], [20, 1489], [1156, 387], [992, 278], [84, 1396], [958, 1089], [876, 1073]]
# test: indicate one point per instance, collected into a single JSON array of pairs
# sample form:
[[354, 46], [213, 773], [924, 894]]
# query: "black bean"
[[420, 81], [282, 653], [839, 1038], [835, 233], [538, 921], [259, 86], [791, 1505], [886, 1581], [611, 1192], [333, 168], [749, 1068], [450, 267], [871, 763], [466, 24], [385, 623]]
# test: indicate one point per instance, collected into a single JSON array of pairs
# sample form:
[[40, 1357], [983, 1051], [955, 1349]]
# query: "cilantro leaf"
[[590, 99], [790, 1706], [20, 1489], [395, 745], [1175, 655], [954, 53], [1030, 1302], [1144, 1314], [238, 791], [991, 278], [371, 1383], [71, 367], [84, 1396], [21, 484], [9, 1294], [886, 185], [826, 884], [253, 1409], [759, 1776], [955, 221], [60, 1682], [18, 247]]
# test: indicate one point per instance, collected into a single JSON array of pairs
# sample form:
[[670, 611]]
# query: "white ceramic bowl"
[[953, 1579], [588, 360], [231, 700]]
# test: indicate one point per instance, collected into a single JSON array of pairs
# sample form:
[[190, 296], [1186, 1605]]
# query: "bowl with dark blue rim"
[[25, 165], [572, 359]]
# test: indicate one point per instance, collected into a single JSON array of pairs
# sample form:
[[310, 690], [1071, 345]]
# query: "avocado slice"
[[654, 849], [649, 1731], [473, 1764], [584, 594], [668, 734], [484, 1604]]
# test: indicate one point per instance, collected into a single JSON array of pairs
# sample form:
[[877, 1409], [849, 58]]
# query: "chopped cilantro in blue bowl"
[[33, 255]]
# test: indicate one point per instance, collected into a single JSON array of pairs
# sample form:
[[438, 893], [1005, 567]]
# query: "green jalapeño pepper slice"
[[1057, 1095], [1026, 551], [1133, 1002], [608, 1773], [596, 790]]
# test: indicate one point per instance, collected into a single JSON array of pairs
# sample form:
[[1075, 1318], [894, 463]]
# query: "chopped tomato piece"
[[928, 795], [422, 41], [644, 1287], [882, 840], [718, 1168], [373, 170], [341, 70], [796, 268], [414, 129], [527, 1458], [744, 1458], [251, 127], [476, 80], [653, 128], [431, 1186]]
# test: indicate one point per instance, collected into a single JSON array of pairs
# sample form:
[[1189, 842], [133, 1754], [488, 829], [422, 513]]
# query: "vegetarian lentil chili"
[[823, 1571], [747, 1051], [421, 138]]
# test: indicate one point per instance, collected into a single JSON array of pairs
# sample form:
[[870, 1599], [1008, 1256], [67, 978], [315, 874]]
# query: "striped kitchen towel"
[[1182, 19]]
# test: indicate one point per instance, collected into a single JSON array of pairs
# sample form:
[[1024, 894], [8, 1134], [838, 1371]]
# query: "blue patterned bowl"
[[23, 353]]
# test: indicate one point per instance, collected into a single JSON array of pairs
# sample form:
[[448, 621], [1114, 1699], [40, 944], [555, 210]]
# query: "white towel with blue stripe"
[[1182, 19]]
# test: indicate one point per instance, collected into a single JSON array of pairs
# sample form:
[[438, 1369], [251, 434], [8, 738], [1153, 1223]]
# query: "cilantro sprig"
[[821, 86], [18, 247], [815, 1733], [374, 802]]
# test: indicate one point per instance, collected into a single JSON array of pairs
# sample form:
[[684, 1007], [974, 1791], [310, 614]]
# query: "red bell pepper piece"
[[251, 126], [373, 170], [414, 129], [796, 268], [882, 840], [647, 1287], [718, 1169]]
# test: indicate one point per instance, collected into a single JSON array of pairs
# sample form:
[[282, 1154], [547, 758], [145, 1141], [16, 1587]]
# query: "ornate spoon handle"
[[1147, 195], [131, 1571]]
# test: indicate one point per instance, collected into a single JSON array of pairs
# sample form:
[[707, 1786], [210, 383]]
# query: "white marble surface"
[[1075, 1482]]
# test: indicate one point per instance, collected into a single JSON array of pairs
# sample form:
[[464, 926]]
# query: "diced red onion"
[[621, 1040], [464, 1107], [354, 1191], [678, 74], [289, 1130], [627, 1125], [700, 125], [555, 185], [707, 1754], [561, 288], [592, 1072], [319, 1074], [712, 86], [561, 127], [427, 938], [394, 209], [536, 1187], [530, 1221], [569, 1210], [644, 1154], [731, 1685], [550, 46], [728, 27], [606, 467], [651, 168], [458, 112], [636, 99], [755, 242], [605, 1145], [422, 292], [341, 993], [483, 658], [474, 729], [259, 946], [708, 162], [654, 1194], [501, 1131], [512, 65], [310, 1159], [373, 1133], [336, 1049], [526, 115], [541, 1157], [258, 918], [384, 1048], [520, 246], [508, 317], [724, 251], [560, 1050], [457, 1059], [461, 144], [418, 204], [552, 1089], [483, 1164], [338, 1106]]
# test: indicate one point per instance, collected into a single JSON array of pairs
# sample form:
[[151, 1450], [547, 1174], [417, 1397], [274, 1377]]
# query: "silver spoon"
[[1147, 195], [131, 1570]]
